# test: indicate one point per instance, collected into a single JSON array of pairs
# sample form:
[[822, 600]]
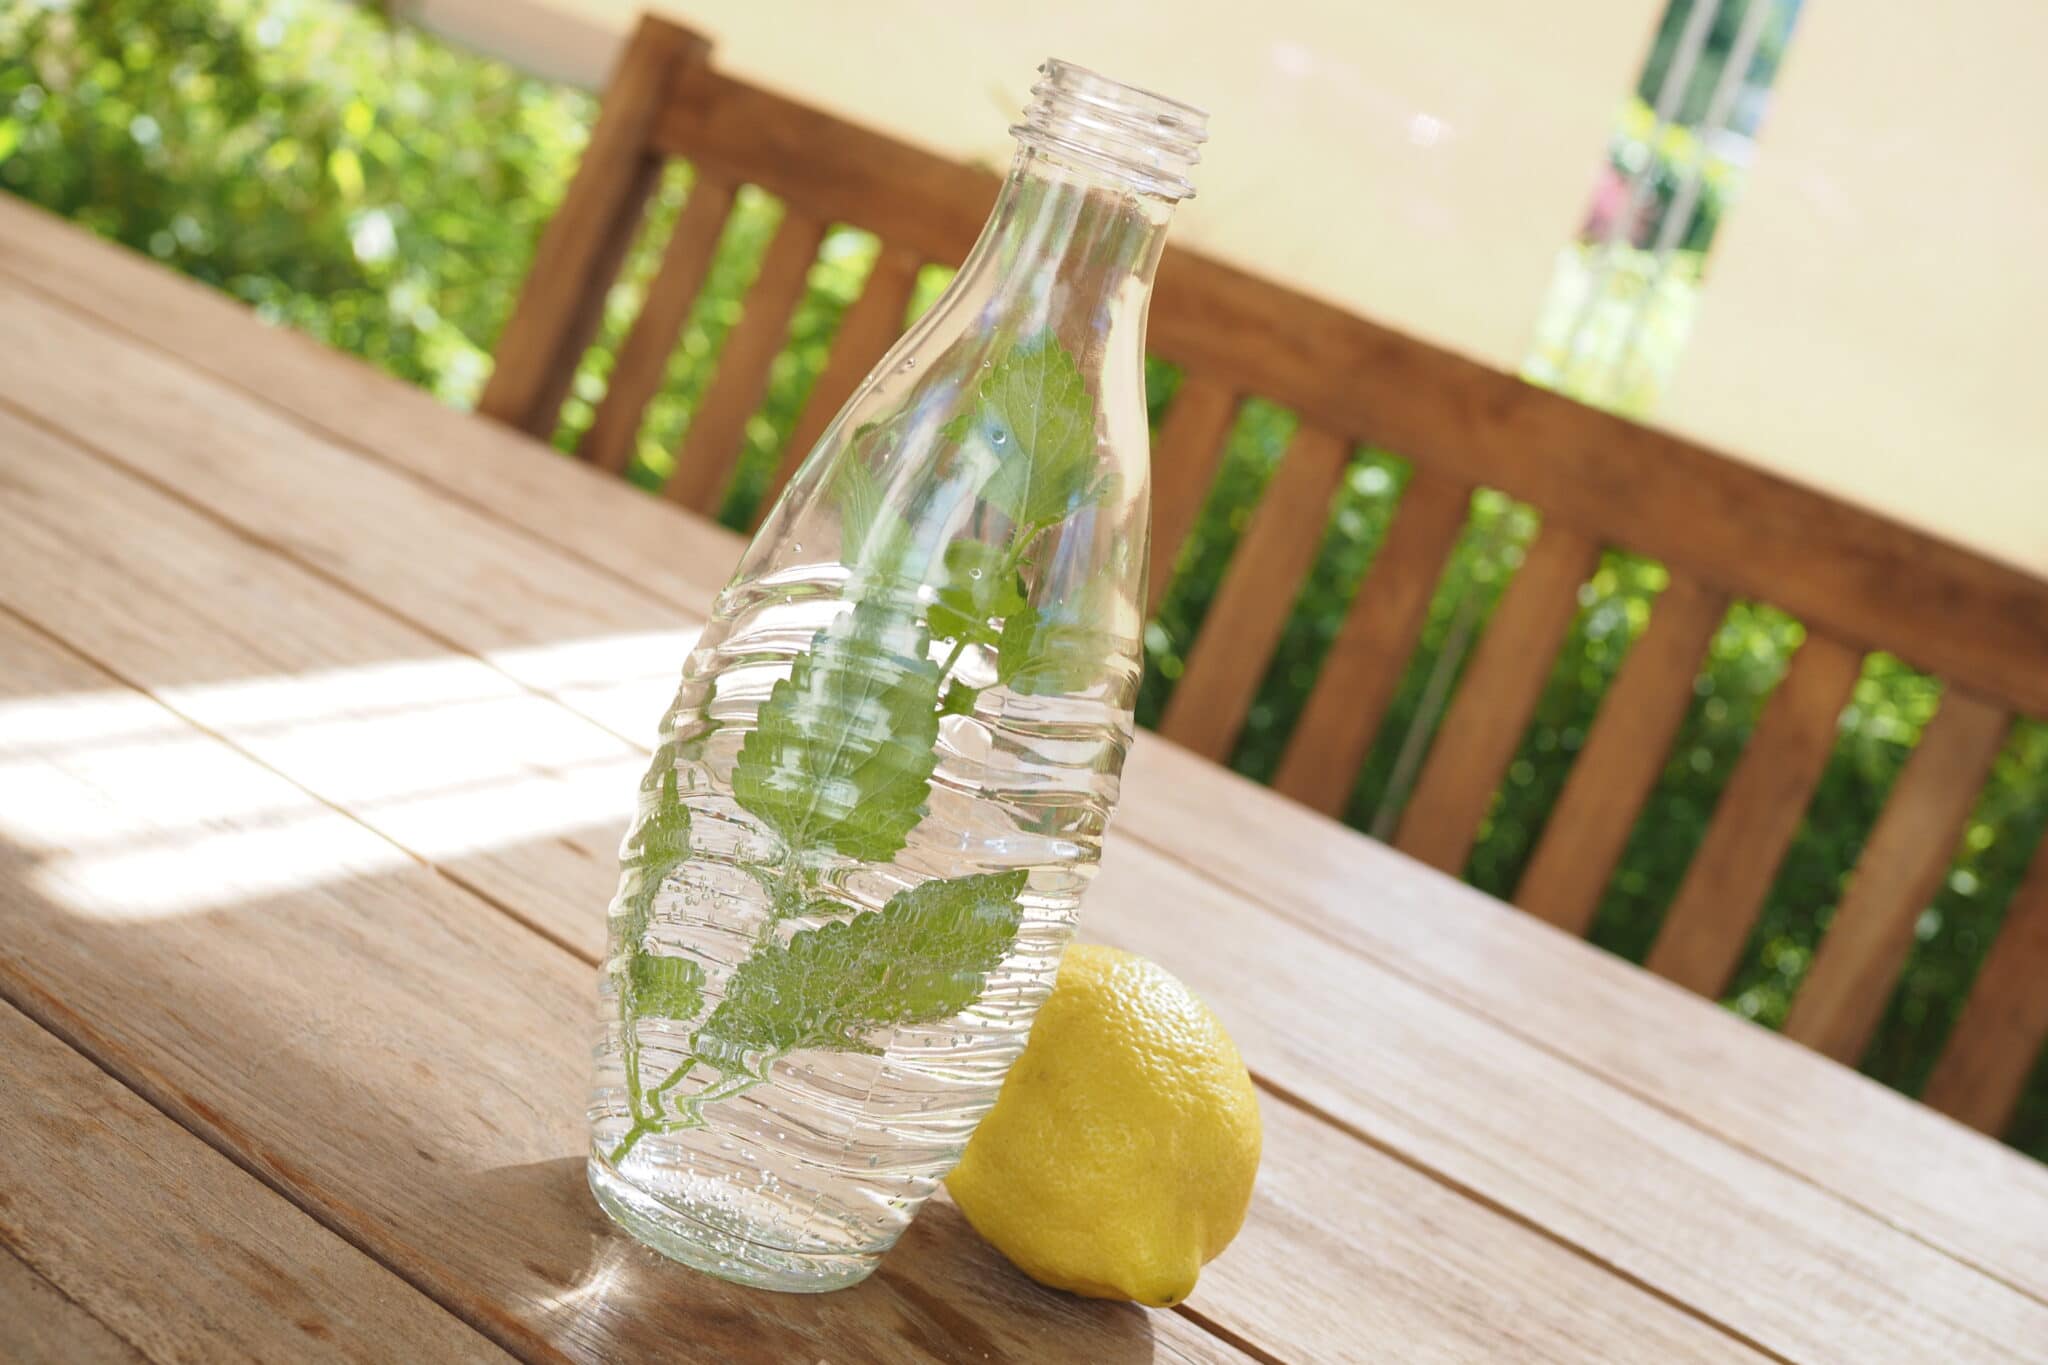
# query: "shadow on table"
[[368, 1042], [935, 1295]]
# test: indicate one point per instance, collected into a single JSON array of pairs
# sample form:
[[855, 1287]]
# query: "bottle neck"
[[1072, 249]]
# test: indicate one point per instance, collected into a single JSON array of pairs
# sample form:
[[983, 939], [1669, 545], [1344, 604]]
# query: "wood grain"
[[1792, 1268], [717, 433], [1967, 1195], [364, 711], [1496, 696], [1878, 1149], [586, 241], [1843, 995], [1995, 1043], [1243, 625], [1184, 463], [562, 625], [544, 879], [554, 895], [1165, 938], [39, 1326], [1408, 1257], [1755, 820], [870, 327], [166, 1243], [1353, 1252], [1845, 572], [1624, 752], [519, 481], [644, 355], [1373, 646], [459, 1042]]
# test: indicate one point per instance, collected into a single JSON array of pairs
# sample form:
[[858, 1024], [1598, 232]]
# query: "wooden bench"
[[1724, 530]]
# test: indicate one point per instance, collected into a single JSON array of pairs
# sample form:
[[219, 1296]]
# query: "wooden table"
[[319, 707]]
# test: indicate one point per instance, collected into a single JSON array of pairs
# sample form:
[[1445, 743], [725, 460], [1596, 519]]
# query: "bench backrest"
[[1724, 530]]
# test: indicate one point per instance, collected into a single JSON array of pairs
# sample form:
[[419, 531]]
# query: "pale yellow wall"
[[1420, 163], [1871, 321], [1874, 317]]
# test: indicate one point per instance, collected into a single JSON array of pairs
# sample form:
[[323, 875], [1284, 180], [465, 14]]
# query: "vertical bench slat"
[[1495, 700], [1236, 643], [585, 242], [711, 448], [1993, 1047], [870, 326], [1839, 1003], [1625, 751], [1184, 462], [1755, 819], [1372, 648], [643, 358]]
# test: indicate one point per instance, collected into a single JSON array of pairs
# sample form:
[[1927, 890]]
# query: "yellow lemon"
[[1119, 1156]]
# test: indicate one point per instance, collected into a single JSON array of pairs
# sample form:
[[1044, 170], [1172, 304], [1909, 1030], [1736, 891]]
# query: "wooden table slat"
[[1836, 1129], [548, 882], [1250, 963], [392, 1053], [1525, 999], [165, 1243], [39, 1326]]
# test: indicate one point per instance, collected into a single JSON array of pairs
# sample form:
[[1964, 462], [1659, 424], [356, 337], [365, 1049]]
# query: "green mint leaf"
[[873, 535], [666, 987], [923, 957], [842, 754], [976, 587], [658, 842], [1036, 415], [960, 699], [1050, 652]]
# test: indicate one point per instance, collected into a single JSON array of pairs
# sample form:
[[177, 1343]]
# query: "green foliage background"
[[383, 192]]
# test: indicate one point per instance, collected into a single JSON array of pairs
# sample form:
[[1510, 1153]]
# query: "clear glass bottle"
[[885, 778]]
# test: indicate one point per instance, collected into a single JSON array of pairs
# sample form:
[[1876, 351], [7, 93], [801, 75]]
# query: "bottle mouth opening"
[[1148, 141]]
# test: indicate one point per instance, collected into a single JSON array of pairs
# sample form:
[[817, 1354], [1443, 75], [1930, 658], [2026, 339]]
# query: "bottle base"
[[722, 1251]]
